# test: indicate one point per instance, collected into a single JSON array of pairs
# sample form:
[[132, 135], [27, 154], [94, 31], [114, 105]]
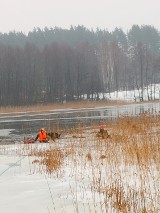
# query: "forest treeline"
[[57, 65]]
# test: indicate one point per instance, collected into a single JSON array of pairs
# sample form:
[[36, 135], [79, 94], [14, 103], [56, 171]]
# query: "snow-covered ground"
[[152, 92], [26, 187]]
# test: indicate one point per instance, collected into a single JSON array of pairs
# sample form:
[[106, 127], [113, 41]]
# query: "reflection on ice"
[[5, 132]]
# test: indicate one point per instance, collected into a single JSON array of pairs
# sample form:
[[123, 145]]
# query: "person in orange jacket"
[[41, 136]]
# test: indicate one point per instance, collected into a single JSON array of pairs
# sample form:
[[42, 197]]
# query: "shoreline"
[[69, 105]]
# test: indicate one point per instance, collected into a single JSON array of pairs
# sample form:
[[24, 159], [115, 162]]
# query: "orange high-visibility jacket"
[[42, 136]]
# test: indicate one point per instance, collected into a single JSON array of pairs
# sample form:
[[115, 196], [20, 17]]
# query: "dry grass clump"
[[102, 157], [119, 200], [143, 123], [139, 138], [142, 153], [89, 156], [130, 200], [70, 152], [51, 158], [53, 161]]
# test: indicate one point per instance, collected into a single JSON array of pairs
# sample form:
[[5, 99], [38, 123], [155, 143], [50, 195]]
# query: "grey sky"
[[24, 15]]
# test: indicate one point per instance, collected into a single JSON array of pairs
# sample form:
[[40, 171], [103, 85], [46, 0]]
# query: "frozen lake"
[[14, 126]]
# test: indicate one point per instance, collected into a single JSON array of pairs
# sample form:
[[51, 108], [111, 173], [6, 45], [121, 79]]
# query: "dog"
[[53, 136]]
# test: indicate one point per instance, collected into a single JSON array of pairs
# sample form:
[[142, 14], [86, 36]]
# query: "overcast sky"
[[24, 15]]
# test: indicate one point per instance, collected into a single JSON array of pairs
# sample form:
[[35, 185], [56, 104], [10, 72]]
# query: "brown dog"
[[53, 136]]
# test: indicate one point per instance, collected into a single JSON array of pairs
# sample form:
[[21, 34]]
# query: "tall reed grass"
[[118, 174]]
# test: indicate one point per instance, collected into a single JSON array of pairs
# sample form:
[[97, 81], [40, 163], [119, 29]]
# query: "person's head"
[[101, 126], [42, 129]]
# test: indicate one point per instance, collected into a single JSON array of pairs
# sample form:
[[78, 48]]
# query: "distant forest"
[[59, 65]]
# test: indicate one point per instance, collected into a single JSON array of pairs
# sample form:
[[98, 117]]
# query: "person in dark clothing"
[[103, 133], [101, 128]]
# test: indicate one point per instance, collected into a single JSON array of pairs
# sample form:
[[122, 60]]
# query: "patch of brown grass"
[[51, 158], [139, 138], [89, 156]]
